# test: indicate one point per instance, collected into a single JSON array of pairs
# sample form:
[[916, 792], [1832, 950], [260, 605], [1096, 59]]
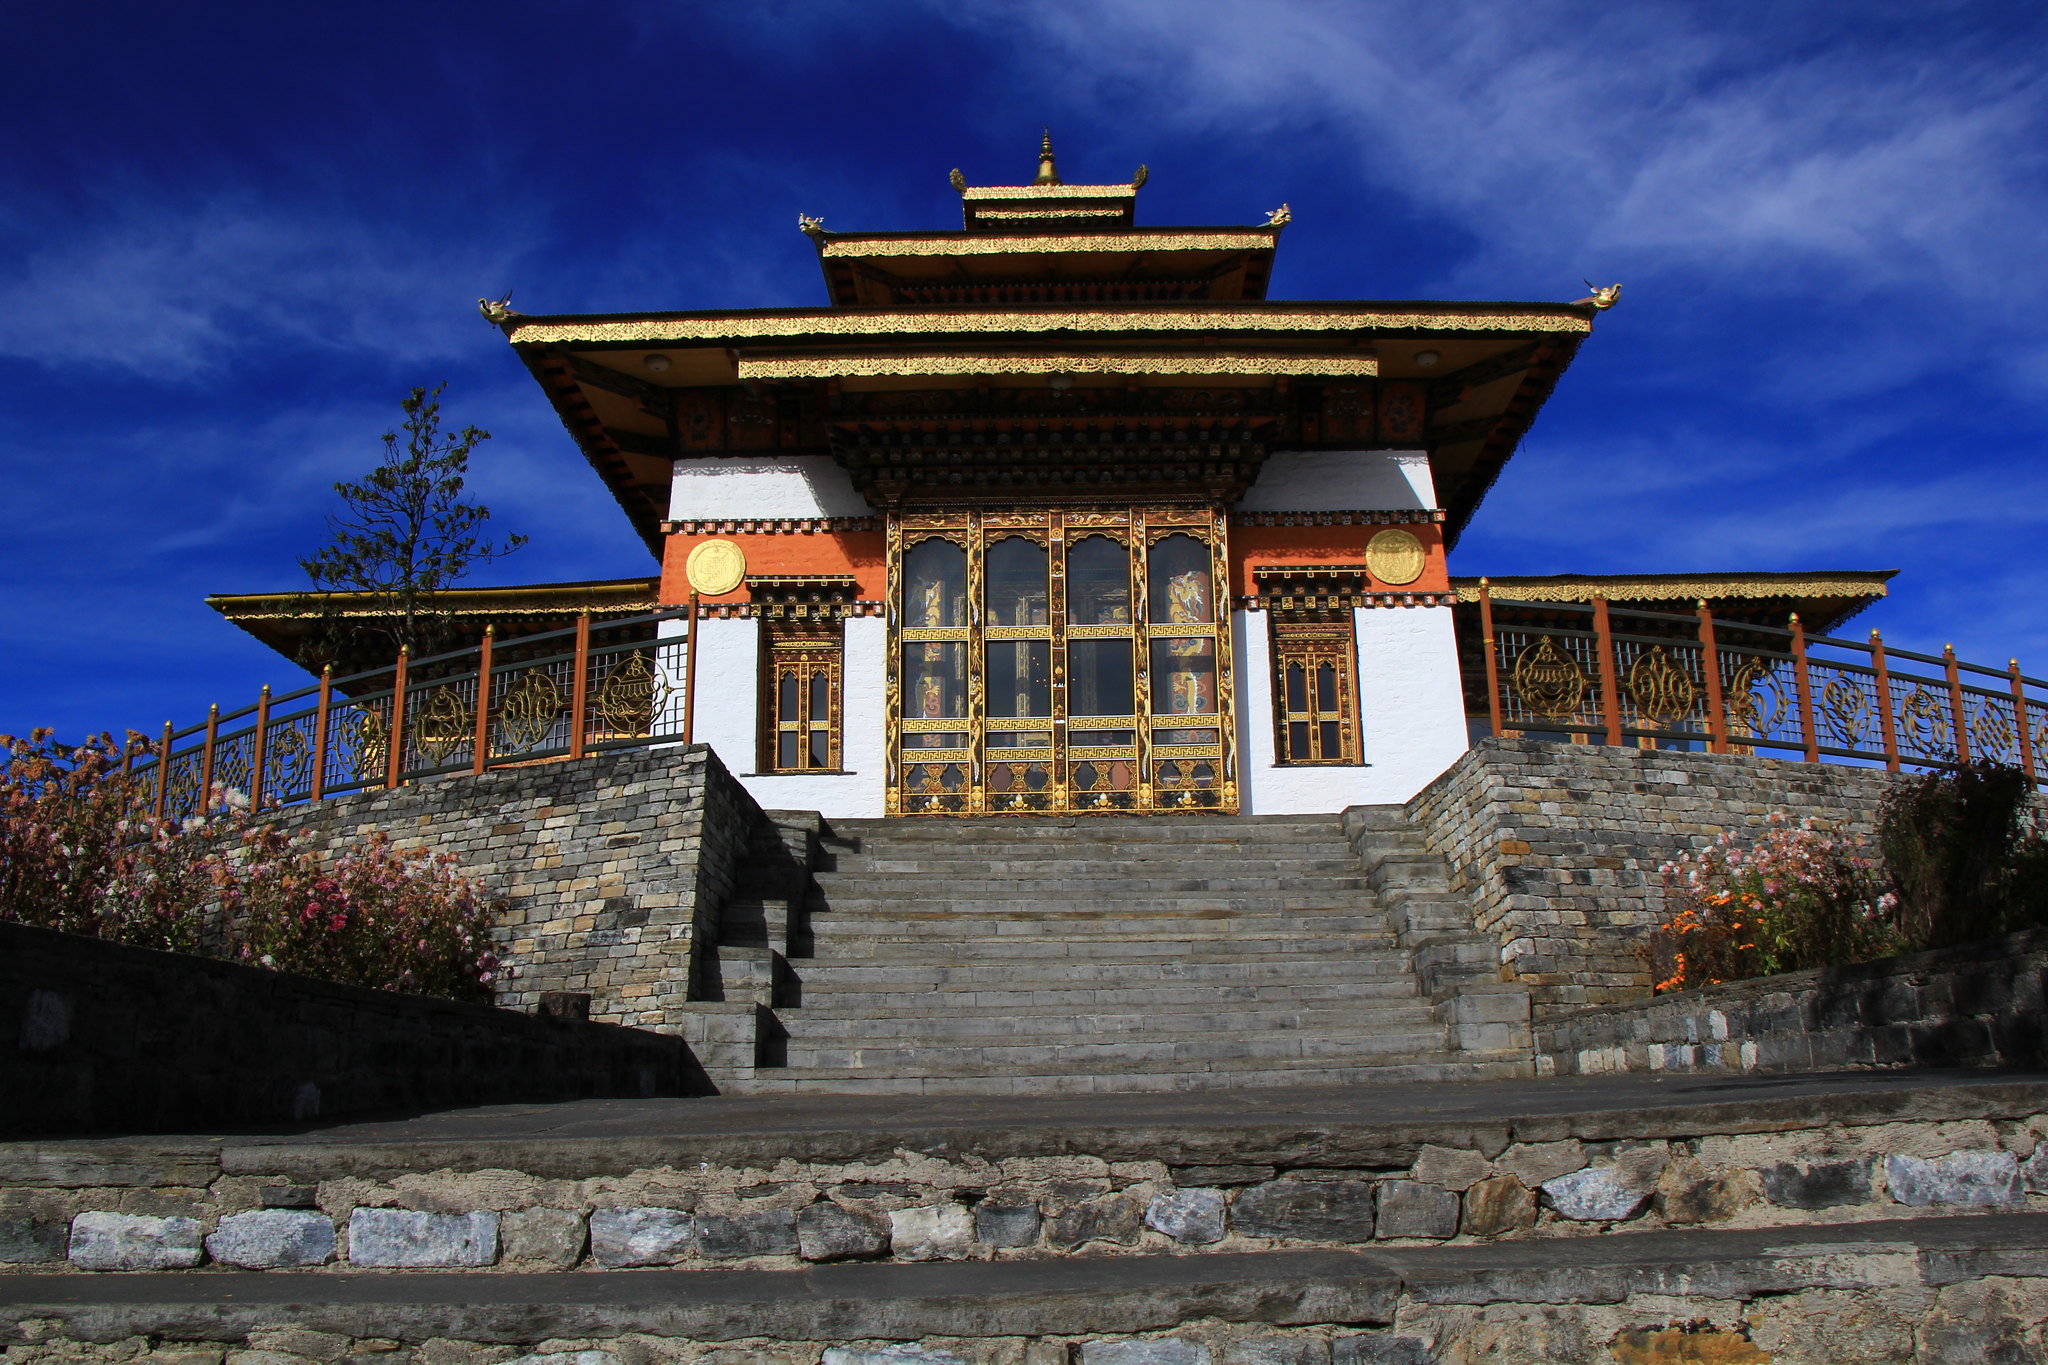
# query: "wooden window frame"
[[807, 648], [1311, 639]]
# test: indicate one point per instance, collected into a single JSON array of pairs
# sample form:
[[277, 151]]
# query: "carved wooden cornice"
[[1207, 239], [1349, 364], [1388, 517], [770, 526], [1686, 588], [804, 597]]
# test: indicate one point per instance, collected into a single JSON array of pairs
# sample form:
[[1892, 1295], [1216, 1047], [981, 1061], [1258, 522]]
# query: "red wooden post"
[[690, 673], [1804, 680], [579, 691], [480, 755], [1492, 663], [163, 774], [262, 748], [394, 738], [206, 759], [319, 787], [1955, 703], [1884, 702], [2019, 712], [1610, 693], [1710, 664]]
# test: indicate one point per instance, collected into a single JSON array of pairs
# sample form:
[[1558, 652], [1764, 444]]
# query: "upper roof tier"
[[1046, 242]]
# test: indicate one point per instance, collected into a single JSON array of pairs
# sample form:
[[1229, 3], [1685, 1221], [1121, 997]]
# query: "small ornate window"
[[1315, 659], [1315, 690], [801, 710]]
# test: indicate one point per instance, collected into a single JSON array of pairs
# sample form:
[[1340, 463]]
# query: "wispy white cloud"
[[174, 289]]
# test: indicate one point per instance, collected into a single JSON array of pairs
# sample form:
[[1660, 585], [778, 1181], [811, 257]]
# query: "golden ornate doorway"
[[1059, 662]]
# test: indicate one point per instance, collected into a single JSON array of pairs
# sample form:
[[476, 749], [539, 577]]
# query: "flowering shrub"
[[373, 915], [1798, 897], [82, 851]]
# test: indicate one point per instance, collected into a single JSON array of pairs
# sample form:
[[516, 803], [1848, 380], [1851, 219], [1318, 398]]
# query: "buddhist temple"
[[1058, 513]]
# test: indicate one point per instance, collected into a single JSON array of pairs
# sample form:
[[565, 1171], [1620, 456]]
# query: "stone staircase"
[[1021, 956]]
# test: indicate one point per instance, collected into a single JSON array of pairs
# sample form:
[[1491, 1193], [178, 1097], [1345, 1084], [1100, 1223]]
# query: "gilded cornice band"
[[1387, 517], [815, 325], [1660, 589], [770, 526], [1005, 194], [1243, 239], [1363, 599], [1351, 364]]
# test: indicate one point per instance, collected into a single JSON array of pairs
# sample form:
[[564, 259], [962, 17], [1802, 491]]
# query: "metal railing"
[[617, 684], [1732, 686]]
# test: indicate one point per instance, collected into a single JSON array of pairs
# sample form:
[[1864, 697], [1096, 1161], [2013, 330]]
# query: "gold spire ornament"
[[959, 181], [1048, 174]]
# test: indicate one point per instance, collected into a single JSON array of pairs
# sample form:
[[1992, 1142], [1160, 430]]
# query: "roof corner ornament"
[[497, 313], [1280, 217], [1601, 299], [813, 228], [959, 181], [1138, 180], [1048, 174]]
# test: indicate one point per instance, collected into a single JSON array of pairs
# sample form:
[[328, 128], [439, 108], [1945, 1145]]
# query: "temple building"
[[1057, 513]]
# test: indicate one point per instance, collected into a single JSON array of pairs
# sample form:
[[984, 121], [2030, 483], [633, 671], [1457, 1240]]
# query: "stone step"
[[1113, 871], [813, 1027], [910, 896], [966, 951], [1432, 1067], [1116, 1055], [976, 920], [841, 999], [1193, 969]]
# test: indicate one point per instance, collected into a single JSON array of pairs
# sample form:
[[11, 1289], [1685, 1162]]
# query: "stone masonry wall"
[[1559, 845], [614, 867], [1984, 1004], [102, 1037]]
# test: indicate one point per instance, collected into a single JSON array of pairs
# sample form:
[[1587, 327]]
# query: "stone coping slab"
[[880, 1302], [1291, 1126]]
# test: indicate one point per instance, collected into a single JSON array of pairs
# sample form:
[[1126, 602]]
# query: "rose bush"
[[81, 851], [1794, 897]]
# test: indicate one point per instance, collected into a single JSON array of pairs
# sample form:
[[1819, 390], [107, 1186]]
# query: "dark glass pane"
[[785, 751], [1333, 746], [1016, 583], [1297, 688], [1020, 677], [1098, 582], [935, 679], [1326, 689], [1183, 677], [821, 749], [787, 709], [935, 584], [1099, 739], [821, 696], [1099, 678], [1180, 590], [1297, 741]]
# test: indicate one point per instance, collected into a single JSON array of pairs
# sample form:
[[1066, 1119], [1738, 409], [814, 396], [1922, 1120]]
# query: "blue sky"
[[233, 235]]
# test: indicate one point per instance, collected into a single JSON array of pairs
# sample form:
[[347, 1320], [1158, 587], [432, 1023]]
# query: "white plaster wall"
[[855, 793], [737, 490], [1342, 481], [1411, 714]]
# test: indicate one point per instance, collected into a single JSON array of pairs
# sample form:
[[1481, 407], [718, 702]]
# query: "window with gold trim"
[[801, 711], [1315, 688]]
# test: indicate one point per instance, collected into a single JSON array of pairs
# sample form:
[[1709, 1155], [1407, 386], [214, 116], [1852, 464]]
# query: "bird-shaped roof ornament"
[[1602, 299], [497, 313], [813, 228], [1280, 217]]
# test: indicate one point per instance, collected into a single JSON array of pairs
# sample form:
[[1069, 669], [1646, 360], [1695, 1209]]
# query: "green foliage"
[[405, 533], [1964, 856], [81, 851]]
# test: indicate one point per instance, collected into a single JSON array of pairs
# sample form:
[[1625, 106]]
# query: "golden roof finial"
[[1048, 174]]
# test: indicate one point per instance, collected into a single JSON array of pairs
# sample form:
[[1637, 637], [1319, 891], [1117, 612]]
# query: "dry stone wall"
[[1984, 1004], [1559, 845], [99, 1037]]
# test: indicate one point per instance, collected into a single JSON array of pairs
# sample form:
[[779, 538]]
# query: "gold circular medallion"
[[1395, 557], [716, 567]]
